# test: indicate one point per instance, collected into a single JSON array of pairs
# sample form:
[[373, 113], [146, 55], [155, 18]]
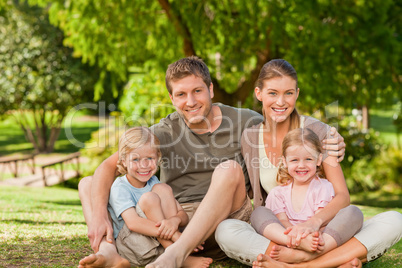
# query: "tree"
[[343, 50], [40, 80]]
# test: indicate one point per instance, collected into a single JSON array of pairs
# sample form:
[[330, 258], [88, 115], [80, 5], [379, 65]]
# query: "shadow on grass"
[[381, 199], [382, 122], [65, 203], [7, 221], [58, 251], [372, 202]]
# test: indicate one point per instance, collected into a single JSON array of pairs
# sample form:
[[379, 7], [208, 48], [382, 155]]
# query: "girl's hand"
[[297, 232], [168, 227]]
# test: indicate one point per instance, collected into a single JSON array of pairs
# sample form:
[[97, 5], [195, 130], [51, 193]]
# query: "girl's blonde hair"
[[279, 68], [135, 138], [299, 136]]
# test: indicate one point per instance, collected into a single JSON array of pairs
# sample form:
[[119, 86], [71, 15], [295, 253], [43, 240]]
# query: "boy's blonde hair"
[[299, 136], [132, 139]]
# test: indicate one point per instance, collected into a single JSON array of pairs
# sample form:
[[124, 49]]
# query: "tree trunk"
[[365, 117], [180, 26], [37, 135]]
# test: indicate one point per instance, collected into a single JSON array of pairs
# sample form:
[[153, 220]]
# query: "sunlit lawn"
[[381, 121], [44, 227]]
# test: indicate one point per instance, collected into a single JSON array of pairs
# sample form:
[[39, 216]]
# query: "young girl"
[[303, 192], [146, 217]]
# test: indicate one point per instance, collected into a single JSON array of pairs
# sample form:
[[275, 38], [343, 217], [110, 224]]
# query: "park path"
[[36, 180]]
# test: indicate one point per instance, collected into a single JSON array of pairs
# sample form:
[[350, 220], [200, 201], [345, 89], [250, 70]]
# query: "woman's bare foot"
[[355, 263], [289, 255], [265, 261], [197, 262], [99, 260]]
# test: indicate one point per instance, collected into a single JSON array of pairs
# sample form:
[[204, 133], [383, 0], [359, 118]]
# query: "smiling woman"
[[278, 96]]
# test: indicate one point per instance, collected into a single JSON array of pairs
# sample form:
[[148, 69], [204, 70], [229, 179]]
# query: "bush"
[[384, 169], [388, 167], [362, 146], [103, 143]]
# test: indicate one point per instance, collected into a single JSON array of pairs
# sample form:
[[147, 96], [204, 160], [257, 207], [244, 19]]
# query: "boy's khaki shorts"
[[138, 249]]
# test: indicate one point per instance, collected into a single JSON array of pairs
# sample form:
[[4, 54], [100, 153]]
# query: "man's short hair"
[[182, 68]]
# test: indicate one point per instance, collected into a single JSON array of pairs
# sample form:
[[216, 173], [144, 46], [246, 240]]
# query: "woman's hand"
[[297, 232]]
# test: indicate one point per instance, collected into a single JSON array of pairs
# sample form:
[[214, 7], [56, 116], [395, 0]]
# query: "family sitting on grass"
[[213, 160]]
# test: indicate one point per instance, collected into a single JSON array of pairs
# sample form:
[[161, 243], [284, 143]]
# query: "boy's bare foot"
[[265, 261], [197, 262], [355, 263], [310, 243], [99, 260], [289, 255]]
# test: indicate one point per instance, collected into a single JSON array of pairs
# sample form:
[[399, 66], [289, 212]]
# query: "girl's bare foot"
[[197, 262], [265, 261], [310, 243], [99, 260]]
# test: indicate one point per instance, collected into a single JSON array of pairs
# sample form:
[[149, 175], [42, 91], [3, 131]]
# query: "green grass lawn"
[[12, 139], [44, 227], [381, 121]]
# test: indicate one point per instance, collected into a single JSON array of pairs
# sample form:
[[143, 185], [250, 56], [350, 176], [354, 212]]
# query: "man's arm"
[[335, 145], [100, 224]]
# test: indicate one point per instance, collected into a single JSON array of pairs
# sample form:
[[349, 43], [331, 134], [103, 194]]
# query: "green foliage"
[[362, 147], [103, 143], [347, 51], [143, 103], [384, 169], [369, 164], [38, 72], [39, 75], [360, 143]]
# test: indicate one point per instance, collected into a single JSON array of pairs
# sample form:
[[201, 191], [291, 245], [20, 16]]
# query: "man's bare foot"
[[99, 260], [197, 262], [355, 263], [310, 243], [265, 261], [171, 258], [289, 255]]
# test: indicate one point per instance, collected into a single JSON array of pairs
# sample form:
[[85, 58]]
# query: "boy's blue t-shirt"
[[123, 196]]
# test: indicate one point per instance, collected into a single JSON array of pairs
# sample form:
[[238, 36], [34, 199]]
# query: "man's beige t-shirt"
[[189, 159]]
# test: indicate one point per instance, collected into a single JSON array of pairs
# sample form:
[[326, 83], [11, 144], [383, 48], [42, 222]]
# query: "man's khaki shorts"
[[138, 249], [211, 248]]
